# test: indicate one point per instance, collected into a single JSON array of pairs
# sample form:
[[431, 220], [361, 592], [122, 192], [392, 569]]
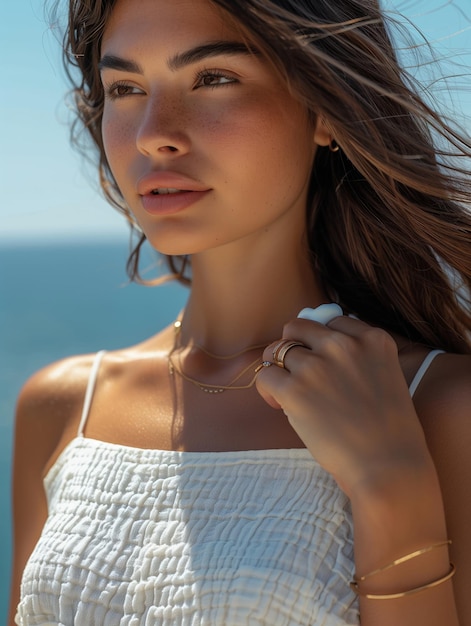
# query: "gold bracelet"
[[402, 594], [402, 559]]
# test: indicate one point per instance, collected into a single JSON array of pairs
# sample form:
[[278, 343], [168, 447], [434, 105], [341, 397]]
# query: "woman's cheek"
[[119, 143]]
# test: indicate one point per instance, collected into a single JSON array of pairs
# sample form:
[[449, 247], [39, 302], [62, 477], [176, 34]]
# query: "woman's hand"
[[347, 398], [345, 395]]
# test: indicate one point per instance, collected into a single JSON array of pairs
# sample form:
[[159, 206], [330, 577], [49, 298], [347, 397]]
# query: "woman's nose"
[[163, 129]]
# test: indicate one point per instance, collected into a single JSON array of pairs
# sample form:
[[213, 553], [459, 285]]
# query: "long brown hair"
[[388, 222]]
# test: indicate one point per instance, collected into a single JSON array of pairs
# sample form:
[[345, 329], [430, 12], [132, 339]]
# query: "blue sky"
[[44, 192]]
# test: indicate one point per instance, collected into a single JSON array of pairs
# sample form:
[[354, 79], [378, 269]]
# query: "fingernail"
[[323, 314]]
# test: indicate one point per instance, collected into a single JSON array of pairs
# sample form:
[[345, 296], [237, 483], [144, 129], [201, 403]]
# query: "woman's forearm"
[[392, 519]]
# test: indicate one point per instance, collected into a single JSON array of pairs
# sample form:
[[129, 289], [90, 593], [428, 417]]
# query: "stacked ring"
[[281, 350]]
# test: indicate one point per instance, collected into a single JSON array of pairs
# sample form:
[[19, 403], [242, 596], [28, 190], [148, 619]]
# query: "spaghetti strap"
[[89, 392], [423, 370]]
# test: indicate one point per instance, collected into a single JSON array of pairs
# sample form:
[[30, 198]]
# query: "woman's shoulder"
[[49, 402], [50, 405], [443, 403], [59, 388], [55, 386], [446, 389]]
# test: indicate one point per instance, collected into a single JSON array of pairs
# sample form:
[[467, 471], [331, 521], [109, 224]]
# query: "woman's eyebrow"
[[113, 62], [211, 49], [181, 59]]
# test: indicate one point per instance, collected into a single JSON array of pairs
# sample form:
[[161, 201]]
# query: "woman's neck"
[[240, 299]]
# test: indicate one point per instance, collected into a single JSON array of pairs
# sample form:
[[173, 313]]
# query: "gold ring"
[[281, 350], [278, 345]]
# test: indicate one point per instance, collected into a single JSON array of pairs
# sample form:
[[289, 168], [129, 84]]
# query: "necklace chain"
[[207, 387]]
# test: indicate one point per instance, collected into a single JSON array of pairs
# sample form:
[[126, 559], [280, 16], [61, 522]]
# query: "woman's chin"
[[179, 244], [170, 248]]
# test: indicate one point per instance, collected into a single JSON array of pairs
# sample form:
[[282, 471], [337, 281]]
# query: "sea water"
[[60, 299]]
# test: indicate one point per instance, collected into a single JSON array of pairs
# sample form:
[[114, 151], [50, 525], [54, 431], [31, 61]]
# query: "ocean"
[[59, 299]]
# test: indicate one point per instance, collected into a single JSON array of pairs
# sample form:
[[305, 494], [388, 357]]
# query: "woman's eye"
[[121, 90], [213, 79]]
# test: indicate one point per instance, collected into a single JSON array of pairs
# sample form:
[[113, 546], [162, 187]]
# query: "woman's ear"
[[322, 133]]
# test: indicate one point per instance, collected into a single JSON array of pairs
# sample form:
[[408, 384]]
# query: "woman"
[[245, 464]]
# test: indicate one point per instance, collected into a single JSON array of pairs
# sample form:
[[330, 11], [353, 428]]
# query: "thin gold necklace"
[[207, 387]]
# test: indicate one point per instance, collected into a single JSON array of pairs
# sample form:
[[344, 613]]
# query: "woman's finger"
[[270, 378]]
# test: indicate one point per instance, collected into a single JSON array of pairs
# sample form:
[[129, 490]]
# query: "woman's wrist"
[[396, 517], [393, 519]]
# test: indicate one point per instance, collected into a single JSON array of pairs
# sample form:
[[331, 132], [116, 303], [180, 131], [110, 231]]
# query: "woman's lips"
[[190, 191], [170, 203]]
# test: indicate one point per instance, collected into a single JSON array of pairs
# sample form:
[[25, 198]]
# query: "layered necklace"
[[175, 368]]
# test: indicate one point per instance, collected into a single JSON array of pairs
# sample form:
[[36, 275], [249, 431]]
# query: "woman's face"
[[189, 107]]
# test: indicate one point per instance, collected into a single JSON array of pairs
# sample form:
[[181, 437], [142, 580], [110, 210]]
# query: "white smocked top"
[[138, 537]]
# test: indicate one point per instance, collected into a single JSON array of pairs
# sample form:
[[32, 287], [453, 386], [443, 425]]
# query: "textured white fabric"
[[159, 538], [149, 537]]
